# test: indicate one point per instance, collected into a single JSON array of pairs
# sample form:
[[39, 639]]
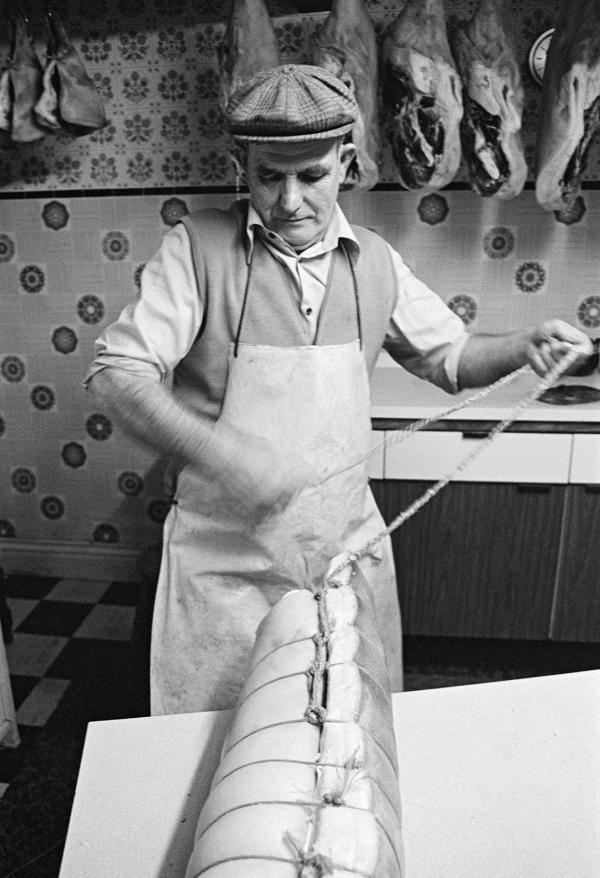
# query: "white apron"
[[220, 573]]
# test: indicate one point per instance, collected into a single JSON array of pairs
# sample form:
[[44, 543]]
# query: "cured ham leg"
[[5, 109], [249, 45], [70, 100], [307, 785], [570, 108], [22, 88], [423, 95], [346, 45], [493, 98]]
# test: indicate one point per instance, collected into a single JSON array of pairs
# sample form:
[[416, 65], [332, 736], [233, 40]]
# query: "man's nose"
[[290, 194]]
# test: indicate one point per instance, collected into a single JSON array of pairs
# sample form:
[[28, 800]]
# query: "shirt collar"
[[338, 228]]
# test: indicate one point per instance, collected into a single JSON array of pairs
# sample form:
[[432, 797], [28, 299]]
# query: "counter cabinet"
[[492, 555], [577, 591]]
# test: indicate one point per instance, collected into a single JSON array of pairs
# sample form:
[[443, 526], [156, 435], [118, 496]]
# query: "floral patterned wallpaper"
[[79, 219], [155, 65], [68, 266]]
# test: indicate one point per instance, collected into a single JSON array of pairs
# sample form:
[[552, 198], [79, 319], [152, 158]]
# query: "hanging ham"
[[5, 109], [70, 101], [570, 106], [423, 96], [21, 87], [493, 98], [249, 45], [346, 45]]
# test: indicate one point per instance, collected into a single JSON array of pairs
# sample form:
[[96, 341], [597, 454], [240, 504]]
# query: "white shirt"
[[426, 324]]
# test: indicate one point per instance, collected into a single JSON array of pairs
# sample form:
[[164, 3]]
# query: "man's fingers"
[[537, 363], [563, 333]]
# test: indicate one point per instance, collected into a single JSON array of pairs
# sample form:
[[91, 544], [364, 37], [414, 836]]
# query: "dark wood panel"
[[577, 610], [471, 425], [479, 560]]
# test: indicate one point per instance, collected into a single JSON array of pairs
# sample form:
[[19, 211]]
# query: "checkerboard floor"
[[61, 627]]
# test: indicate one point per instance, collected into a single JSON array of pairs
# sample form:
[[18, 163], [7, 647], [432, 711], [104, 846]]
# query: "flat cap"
[[292, 102]]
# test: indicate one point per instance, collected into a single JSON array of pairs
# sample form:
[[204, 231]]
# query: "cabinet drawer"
[[585, 463], [512, 457]]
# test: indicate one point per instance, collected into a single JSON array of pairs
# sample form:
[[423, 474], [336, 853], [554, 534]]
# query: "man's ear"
[[239, 156], [347, 155]]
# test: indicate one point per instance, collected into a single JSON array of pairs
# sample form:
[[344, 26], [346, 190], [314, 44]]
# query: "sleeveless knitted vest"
[[221, 264]]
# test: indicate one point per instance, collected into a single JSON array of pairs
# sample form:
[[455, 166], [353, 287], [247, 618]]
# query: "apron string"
[[354, 288], [356, 296], [244, 303], [325, 296]]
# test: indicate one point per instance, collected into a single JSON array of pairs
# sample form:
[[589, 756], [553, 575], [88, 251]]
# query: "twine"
[[275, 859], [561, 366], [410, 429]]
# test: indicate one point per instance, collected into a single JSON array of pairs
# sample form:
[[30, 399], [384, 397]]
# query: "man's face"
[[294, 186]]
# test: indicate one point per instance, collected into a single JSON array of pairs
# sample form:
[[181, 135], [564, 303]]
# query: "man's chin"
[[298, 238]]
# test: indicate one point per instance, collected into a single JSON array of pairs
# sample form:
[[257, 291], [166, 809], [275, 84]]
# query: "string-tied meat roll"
[[307, 785]]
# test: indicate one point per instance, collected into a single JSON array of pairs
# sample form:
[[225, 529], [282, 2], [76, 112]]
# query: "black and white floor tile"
[[62, 629]]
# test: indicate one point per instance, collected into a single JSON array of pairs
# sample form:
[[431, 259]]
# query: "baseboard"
[[70, 560]]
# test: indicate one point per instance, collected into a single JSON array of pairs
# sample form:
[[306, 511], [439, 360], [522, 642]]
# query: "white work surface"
[[395, 393], [498, 780]]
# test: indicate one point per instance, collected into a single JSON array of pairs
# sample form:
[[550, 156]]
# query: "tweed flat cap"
[[291, 103]]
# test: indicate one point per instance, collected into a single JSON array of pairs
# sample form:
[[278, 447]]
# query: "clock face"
[[538, 54]]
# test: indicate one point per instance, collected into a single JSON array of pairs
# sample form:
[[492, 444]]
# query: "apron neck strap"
[[244, 303], [327, 288], [356, 296]]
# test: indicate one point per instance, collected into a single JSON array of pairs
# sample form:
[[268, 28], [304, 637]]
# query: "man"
[[269, 318]]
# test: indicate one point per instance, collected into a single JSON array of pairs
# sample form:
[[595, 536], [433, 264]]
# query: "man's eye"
[[269, 177], [312, 177]]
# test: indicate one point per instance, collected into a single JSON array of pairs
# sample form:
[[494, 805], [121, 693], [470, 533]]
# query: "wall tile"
[[461, 271], [50, 334]]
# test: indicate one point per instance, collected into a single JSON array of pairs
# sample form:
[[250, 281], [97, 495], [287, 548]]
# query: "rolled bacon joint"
[[493, 98], [346, 45], [249, 46], [422, 94], [570, 105], [307, 785]]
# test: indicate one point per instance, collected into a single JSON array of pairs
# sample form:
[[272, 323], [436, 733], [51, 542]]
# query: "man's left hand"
[[549, 342]]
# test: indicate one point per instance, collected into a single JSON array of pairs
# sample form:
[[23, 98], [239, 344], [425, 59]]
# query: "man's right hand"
[[251, 469]]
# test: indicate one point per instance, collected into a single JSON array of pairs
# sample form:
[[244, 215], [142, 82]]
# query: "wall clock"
[[538, 54]]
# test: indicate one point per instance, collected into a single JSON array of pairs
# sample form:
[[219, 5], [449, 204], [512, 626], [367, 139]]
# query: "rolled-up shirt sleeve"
[[424, 335], [153, 333]]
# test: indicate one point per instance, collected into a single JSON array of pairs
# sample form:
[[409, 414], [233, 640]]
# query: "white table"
[[498, 780]]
